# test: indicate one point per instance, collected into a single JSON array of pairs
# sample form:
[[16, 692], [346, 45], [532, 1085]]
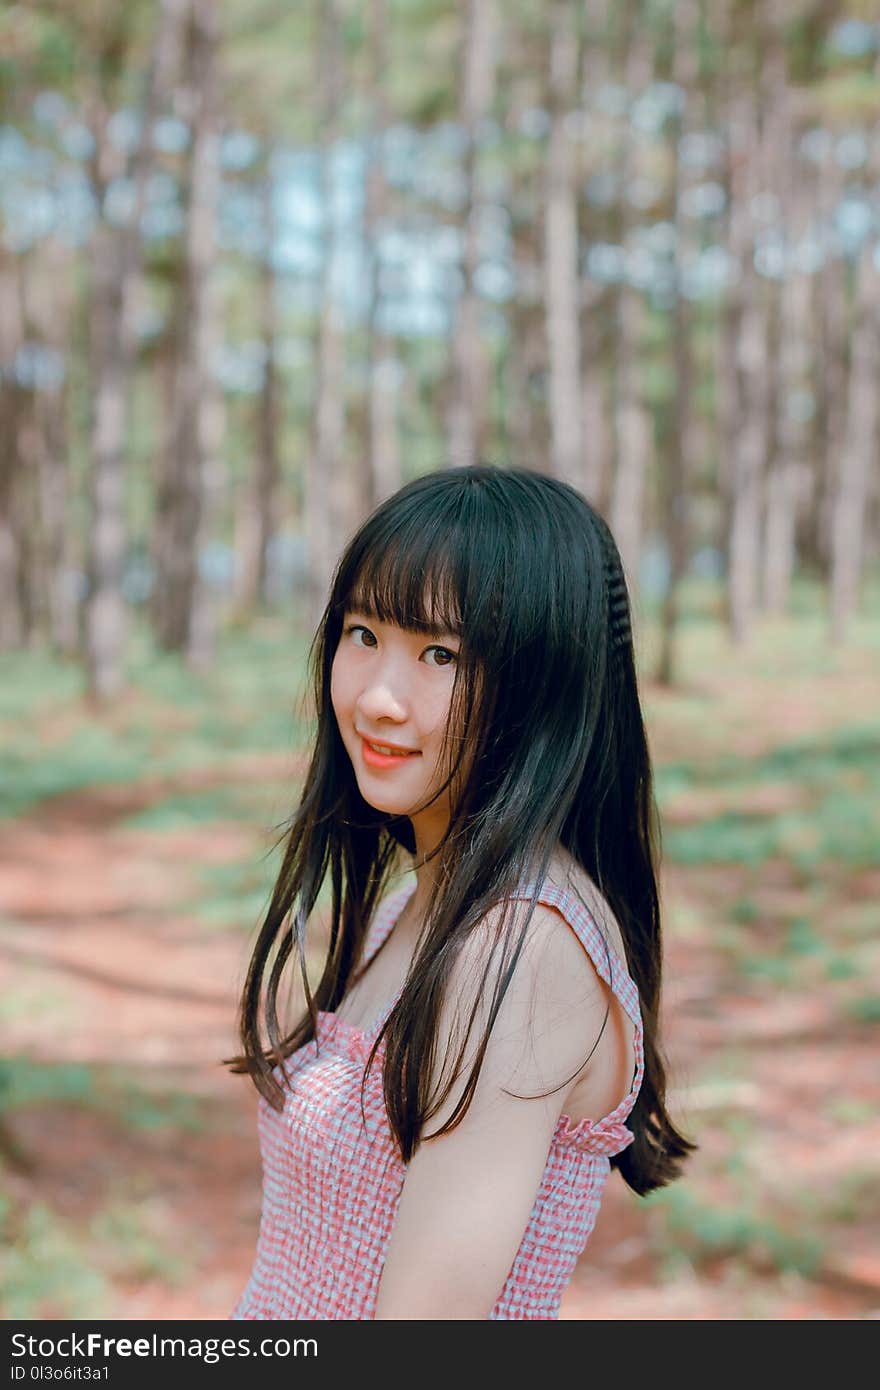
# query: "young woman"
[[481, 1048]]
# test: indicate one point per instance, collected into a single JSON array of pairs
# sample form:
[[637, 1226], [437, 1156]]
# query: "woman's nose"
[[379, 699]]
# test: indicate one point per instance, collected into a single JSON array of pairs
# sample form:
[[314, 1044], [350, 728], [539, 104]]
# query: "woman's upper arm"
[[468, 1194]]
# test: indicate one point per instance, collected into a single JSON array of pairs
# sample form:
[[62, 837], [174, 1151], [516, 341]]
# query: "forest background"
[[259, 265]]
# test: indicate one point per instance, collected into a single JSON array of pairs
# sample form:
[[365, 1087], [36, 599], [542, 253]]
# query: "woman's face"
[[393, 687]]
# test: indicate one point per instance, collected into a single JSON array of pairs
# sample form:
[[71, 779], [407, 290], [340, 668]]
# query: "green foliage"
[[269, 65], [856, 1198], [853, 96], [221, 803], [416, 90], [775, 969], [36, 50], [841, 968], [802, 940], [36, 682], [745, 910], [46, 1268], [866, 1009], [172, 720], [111, 1091], [93, 756], [839, 777], [236, 894], [53, 1267], [850, 1111], [801, 953], [134, 1250], [704, 1231], [23, 1082]]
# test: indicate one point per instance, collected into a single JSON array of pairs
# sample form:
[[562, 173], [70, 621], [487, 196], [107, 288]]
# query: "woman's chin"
[[388, 805]]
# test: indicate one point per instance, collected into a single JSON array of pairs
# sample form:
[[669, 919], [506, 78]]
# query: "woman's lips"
[[374, 759]]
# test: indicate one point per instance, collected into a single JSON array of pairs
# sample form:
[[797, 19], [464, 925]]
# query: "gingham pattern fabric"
[[332, 1177]]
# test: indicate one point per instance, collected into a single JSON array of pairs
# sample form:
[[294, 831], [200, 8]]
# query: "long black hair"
[[545, 744]]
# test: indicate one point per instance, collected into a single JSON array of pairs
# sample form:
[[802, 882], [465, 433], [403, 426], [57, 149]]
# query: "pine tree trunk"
[[257, 501], [750, 442], [859, 455], [325, 483], [632, 425], [523, 410], [384, 474], [106, 619], [182, 610], [269, 416], [789, 475], [11, 335], [49, 293], [676, 471], [524, 361], [470, 385], [833, 308], [727, 421], [54, 485], [561, 272], [777, 155], [115, 264], [596, 397], [595, 405]]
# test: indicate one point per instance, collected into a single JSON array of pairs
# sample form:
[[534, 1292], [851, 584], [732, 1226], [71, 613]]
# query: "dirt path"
[[99, 965]]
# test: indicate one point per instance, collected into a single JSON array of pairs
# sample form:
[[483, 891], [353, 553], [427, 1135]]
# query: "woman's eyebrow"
[[426, 629], [438, 630]]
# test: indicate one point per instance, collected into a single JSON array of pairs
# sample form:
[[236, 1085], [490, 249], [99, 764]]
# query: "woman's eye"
[[445, 657], [448, 656], [358, 627]]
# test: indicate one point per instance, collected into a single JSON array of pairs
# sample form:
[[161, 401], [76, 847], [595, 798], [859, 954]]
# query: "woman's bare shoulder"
[[552, 1000], [566, 873]]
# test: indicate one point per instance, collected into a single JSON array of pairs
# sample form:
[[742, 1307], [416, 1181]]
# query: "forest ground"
[[136, 853]]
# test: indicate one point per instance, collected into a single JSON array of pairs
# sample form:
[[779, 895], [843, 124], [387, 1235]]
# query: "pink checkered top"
[[332, 1177]]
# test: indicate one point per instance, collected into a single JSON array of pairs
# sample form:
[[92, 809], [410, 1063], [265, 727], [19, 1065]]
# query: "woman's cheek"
[[338, 698], [337, 676]]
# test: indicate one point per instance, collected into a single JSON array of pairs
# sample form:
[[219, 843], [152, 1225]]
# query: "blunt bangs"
[[412, 567]]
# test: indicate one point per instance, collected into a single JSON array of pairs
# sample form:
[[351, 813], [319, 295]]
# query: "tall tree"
[[858, 458], [11, 481], [561, 270], [326, 489], [384, 472], [257, 512], [181, 602], [786, 464], [269, 407], [470, 371], [746, 467], [115, 260], [523, 416], [596, 403], [632, 427], [776, 138], [832, 317], [677, 464], [48, 278]]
